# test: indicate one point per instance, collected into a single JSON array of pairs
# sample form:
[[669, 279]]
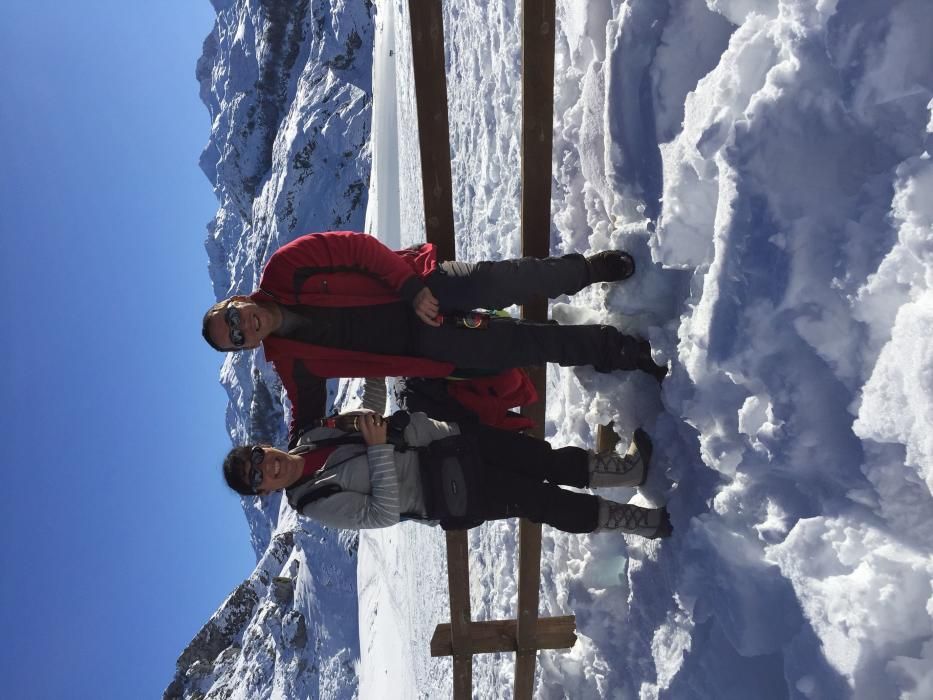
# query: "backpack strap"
[[317, 494], [346, 439]]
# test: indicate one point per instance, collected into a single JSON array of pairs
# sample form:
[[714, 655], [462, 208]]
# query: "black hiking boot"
[[645, 363], [610, 266]]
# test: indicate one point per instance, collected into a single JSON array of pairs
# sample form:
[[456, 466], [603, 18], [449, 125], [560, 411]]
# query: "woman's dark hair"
[[235, 470], [219, 307]]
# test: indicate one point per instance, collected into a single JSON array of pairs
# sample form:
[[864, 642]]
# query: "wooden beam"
[[529, 583], [496, 636], [463, 677], [537, 124], [427, 48], [458, 581], [538, 18], [606, 437]]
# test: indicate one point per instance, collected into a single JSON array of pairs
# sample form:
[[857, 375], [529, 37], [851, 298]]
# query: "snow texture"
[[768, 164]]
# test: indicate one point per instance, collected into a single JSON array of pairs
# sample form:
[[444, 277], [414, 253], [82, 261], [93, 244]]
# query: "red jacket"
[[343, 269], [490, 398]]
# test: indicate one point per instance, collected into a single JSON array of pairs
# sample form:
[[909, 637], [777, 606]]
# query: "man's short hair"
[[236, 470], [217, 308]]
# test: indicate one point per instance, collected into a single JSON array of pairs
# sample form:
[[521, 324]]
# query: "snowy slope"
[[768, 164], [289, 89]]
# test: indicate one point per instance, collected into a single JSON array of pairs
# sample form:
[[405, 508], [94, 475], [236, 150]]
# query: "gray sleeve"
[[423, 431], [354, 510]]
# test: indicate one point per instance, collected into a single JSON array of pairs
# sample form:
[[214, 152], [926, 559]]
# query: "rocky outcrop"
[[219, 641], [291, 625]]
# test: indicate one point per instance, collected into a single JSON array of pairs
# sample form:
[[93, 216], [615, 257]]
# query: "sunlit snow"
[[768, 165]]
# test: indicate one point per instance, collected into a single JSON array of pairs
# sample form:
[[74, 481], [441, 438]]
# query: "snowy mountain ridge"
[[288, 88]]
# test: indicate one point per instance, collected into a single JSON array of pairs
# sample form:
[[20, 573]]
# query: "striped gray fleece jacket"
[[377, 484]]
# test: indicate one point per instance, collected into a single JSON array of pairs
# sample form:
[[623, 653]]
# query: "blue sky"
[[118, 538]]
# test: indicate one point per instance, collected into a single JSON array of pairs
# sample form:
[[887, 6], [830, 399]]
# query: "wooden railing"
[[525, 635], [537, 141]]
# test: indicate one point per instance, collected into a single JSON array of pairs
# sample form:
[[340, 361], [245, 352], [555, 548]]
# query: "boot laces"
[[614, 463], [628, 517]]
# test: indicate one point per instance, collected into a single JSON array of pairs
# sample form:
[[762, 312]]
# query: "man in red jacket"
[[342, 304]]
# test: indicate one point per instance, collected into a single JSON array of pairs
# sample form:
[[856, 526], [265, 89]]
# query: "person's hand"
[[427, 307], [373, 427]]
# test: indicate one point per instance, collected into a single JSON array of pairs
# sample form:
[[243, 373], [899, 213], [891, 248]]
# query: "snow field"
[[768, 165]]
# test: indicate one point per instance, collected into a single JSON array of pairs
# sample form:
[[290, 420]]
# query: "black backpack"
[[452, 478]]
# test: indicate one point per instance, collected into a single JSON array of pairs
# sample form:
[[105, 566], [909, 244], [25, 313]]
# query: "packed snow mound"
[[806, 148], [768, 164]]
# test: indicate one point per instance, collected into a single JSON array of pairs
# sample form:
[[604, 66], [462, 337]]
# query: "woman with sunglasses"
[[438, 472]]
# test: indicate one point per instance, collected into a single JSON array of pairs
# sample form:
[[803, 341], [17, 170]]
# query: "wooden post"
[[461, 643], [462, 637], [537, 144], [428, 62], [427, 48], [606, 437]]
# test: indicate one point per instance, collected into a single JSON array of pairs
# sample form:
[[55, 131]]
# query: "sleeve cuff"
[[411, 287]]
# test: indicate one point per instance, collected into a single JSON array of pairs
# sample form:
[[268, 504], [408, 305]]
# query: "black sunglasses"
[[232, 317], [254, 476]]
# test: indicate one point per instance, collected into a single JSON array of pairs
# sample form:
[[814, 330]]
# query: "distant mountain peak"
[[288, 86]]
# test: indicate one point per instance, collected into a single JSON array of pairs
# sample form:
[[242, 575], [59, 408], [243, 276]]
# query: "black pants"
[[461, 286], [522, 477], [507, 343]]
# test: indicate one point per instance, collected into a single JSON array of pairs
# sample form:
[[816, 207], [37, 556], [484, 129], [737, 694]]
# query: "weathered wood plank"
[[606, 437], [538, 18], [427, 48], [525, 664], [537, 125], [537, 145], [495, 636], [427, 39], [529, 582], [458, 580], [463, 677]]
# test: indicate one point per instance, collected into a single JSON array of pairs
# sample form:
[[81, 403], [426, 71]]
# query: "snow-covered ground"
[[767, 162]]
